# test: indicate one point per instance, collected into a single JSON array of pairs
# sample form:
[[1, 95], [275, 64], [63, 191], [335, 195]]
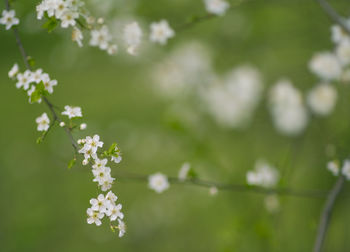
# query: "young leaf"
[[72, 163]]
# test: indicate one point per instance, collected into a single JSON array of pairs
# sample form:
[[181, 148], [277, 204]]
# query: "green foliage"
[[72, 163], [51, 23], [38, 92]]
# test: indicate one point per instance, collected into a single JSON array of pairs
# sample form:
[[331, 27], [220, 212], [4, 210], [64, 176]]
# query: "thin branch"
[[28, 66], [198, 19], [327, 212], [334, 15], [229, 187]]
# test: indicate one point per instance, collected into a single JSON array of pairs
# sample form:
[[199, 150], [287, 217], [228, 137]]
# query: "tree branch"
[[45, 99], [198, 19], [229, 187], [327, 212], [334, 15]]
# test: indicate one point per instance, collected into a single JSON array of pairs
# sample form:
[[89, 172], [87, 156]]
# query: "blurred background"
[[44, 203]]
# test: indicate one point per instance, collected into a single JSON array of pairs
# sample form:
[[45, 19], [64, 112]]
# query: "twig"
[[229, 187], [334, 15], [327, 212], [28, 66], [198, 19]]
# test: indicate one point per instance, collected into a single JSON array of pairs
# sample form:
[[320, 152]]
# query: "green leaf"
[[39, 140], [31, 61], [72, 163], [192, 174], [112, 148], [50, 24], [38, 92]]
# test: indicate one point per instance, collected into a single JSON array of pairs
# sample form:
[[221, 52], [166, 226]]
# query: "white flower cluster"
[[263, 175], [103, 205], [71, 13], [29, 80], [158, 182], [233, 101], [187, 67], [216, 7], [230, 100], [289, 114], [160, 33], [330, 66], [9, 19], [334, 66], [106, 206], [334, 168]]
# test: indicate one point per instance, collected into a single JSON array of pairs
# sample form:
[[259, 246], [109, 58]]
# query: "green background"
[[43, 203]]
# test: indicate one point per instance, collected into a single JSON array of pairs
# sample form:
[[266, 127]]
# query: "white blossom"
[[233, 101], [287, 108], [343, 52], [325, 65], [14, 71], [77, 36], [322, 99], [338, 34], [183, 172], [333, 167], [24, 79], [9, 19], [114, 212], [94, 217], [68, 19], [272, 203], [213, 190], [121, 227], [158, 182], [72, 112], [37, 76], [132, 37], [112, 49], [48, 83], [161, 32], [43, 122], [100, 38], [346, 169], [100, 204], [111, 196], [217, 7], [82, 126], [263, 175], [62, 124]]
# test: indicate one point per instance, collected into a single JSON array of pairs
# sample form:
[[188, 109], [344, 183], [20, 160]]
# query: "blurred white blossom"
[[132, 37], [287, 108], [345, 170], [161, 32], [232, 102], [326, 65], [183, 172], [217, 7], [333, 167], [158, 182], [263, 175], [322, 99]]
